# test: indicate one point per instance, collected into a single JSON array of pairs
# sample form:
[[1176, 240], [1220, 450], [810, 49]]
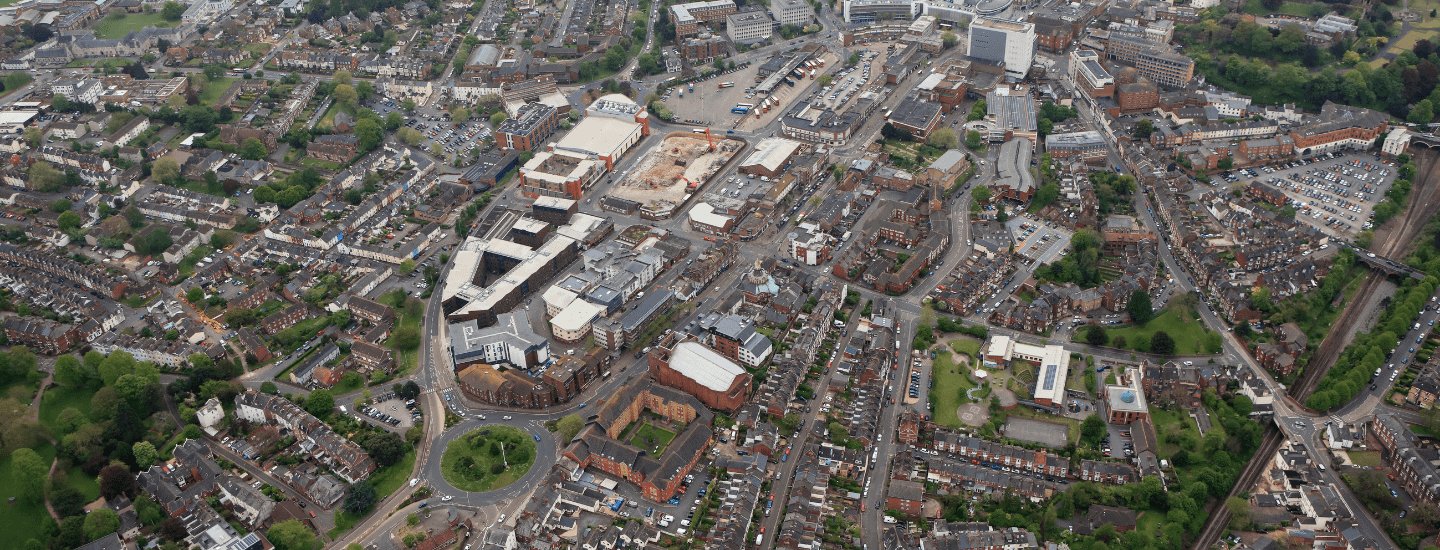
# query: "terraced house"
[[345, 458]]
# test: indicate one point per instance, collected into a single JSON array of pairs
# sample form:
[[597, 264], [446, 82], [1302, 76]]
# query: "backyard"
[[951, 382], [648, 436], [112, 27], [1191, 337], [214, 88], [471, 461], [386, 480]]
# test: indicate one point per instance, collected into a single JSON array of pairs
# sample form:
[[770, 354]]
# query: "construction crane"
[[709, 139]]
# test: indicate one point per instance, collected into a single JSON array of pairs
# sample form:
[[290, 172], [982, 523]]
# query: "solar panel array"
[[1050, 371]]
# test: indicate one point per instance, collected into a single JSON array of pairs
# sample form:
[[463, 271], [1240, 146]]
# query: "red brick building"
[[532, 125], [658, 477], [693, 368], [906, 496], [286, 318], [40, 335]]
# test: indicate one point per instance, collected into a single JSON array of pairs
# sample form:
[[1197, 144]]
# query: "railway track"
[[1219, 515], [1394, 239]]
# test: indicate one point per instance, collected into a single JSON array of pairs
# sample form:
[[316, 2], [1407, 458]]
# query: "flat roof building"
[[1004, 41]]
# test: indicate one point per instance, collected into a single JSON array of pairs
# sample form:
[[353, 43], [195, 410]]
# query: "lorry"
[[724, 85]]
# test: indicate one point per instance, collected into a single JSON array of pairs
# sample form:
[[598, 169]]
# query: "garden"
[[1179, 329], [488, 458], [952, 380], [649, 436]]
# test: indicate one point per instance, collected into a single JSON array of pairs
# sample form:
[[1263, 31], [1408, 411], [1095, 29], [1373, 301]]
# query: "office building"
[[791, 12], [752, 26], [1150, 61], [1004, 41]]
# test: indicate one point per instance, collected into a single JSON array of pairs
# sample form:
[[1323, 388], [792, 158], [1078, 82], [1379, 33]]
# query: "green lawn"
[[88, 486], [406, 360], [951, 382], [1254, 7], [1189, 334], [475, 447], [967, 347], [343, 522], [118, 28], [215, 88], [107, 62], [22, 521], [1170, 421], [258, 48], [662, 438], [187, 264], [1365, 458], [321, 164], [59, 398], [390, 478]]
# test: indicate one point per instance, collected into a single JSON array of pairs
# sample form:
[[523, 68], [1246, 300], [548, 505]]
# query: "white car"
[[447, 498], [507, 417]]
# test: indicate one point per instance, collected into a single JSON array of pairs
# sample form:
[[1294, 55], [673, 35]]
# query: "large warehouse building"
[[612, 125], [770, 157], [689, 366]]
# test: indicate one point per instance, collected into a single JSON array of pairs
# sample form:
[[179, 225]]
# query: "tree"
[[973, 140], [28, 471], [386, 448], [346, 95], [945, 138], [320, 403], [195, 295], [268, 387], [291, 535], [165, 169], [407, 266], [409, 104], [1162, 344], [1139, 307], [69, 371], [1422, 113], [393, 120], [116, 480], [369, 133], [497, 118], [344, 78], [460, 114], [145, 453], [981, 194], [978, 111], [570, 425], [1097, 336], [360, 499], [1092, 429], [172, 11], [1239, 513], [68, 220], [407, 338], [253, 149], [410, 136], [222, 239], [949, 39], [45, 177], [1144, 128], [100, 522]]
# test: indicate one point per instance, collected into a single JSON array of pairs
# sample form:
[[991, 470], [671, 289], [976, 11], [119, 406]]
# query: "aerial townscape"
[[720, 274]]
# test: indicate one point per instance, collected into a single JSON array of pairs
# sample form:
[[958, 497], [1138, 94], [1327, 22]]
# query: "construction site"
[[674, 171]]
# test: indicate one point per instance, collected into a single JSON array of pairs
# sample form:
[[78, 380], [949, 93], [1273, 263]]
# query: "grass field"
[[215, 88], [343, 522], [258, 48], [59, 398], [108, 62], [949, 391], [88, 486], [1186, 332], [966, 346], [662, 438], [1167, 422], [406, 360], [1365, 458], [476, 447], [22, 522], [1254, 7], [118, 28], [388, 479]]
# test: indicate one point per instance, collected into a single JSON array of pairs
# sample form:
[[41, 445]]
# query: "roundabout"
[[488, 458]]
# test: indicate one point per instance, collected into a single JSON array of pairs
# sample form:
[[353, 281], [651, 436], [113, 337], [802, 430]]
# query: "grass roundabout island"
[[477, 461]]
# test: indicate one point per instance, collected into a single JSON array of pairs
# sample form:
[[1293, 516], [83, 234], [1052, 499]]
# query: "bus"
[[740, 110], [239, 70], [745, 105], [698, 130]]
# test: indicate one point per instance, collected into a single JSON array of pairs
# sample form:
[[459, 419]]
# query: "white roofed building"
[[573, 323], [690, 366]]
